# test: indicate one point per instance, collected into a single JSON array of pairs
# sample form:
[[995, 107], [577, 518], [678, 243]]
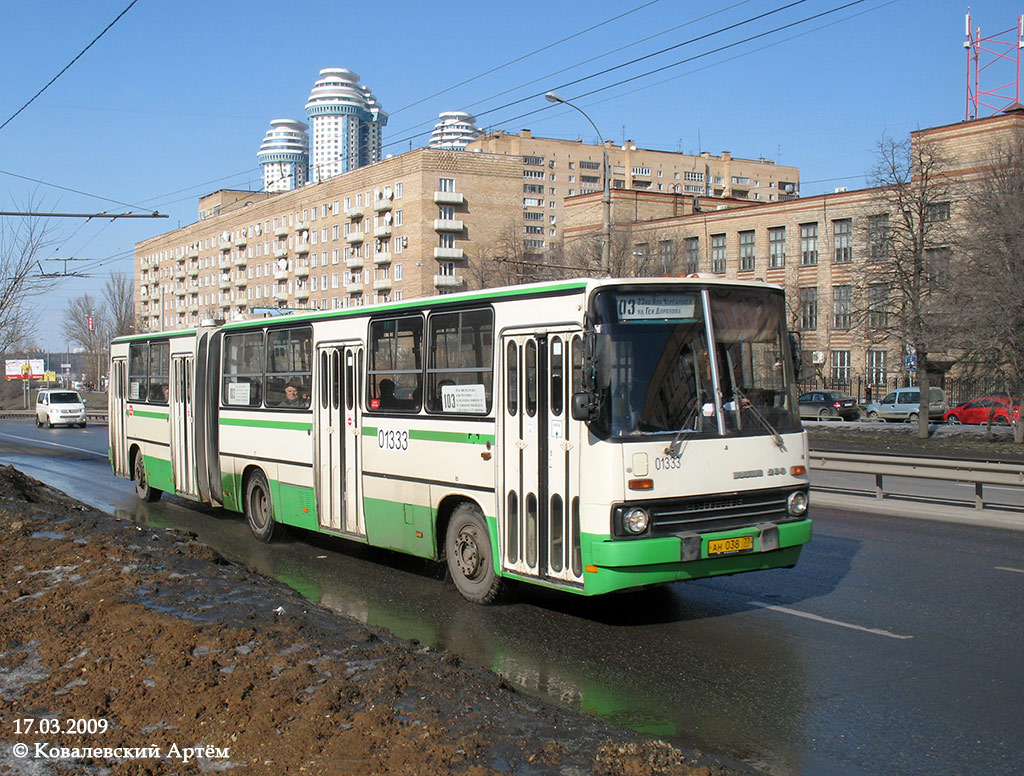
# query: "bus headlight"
[[796, 504], [635, 520]]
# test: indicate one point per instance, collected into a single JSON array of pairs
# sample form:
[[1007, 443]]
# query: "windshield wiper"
[[675, 449], [746, 403]]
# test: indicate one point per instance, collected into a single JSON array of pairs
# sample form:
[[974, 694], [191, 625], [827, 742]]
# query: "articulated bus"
[[587, 435]]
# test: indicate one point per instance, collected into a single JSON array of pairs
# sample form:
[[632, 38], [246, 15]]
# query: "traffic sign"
[[911, 363]]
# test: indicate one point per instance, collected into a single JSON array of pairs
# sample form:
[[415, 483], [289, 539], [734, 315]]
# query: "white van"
[[905, 404], [55, 406]]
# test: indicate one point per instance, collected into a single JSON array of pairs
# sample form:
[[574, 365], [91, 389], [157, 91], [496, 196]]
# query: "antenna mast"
[[985, 53]]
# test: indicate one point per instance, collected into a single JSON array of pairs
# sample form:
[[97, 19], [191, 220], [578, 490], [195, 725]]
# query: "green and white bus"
[[587, 435]]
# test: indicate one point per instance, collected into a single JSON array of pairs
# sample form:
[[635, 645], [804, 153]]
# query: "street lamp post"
[[606, 200]]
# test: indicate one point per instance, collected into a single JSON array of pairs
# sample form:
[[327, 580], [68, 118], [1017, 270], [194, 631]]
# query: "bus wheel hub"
[[467, 555]]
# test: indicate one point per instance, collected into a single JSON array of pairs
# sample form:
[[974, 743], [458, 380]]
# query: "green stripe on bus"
[[145, 414], [281, 424], [458, 437]]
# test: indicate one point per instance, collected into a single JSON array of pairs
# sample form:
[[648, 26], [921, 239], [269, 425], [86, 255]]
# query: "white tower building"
[[284, 155], [454, 131], [347, 124]]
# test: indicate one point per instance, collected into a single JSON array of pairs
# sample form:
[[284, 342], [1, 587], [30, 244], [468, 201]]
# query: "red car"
[[977, 411]]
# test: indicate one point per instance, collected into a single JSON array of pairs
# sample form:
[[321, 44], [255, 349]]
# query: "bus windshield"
[[707, 362]]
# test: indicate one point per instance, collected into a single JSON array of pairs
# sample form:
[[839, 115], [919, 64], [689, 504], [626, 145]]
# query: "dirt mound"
[[129, 651]]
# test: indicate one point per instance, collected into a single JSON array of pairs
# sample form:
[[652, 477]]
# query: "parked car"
[[55, 406], [905, 404], [823, 405], [977, 411]]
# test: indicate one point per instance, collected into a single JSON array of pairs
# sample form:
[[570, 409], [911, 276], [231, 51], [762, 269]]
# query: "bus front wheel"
[[469, 556], [142, 487], [259, 507]]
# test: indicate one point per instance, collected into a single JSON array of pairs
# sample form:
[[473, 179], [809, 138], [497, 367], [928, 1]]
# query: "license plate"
[[727, 546]]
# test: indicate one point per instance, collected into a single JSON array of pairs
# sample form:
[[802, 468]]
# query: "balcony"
[[281, 275], [241, 282], [354, 237], [280, 253], [354, 213], [302, 272], [179, 274], [381, 205], [354, 287], [224, 263], [382, 231], [193, 271], [354, 261], [382, 258], [448, 225], [449, 253], [193, 253], [224, 245], [241, 241], [302, 293], [281, 231], [447, 281], [302, 249], [382, 284], [301, 226], [240, 260], [225, 283], [448, 198]]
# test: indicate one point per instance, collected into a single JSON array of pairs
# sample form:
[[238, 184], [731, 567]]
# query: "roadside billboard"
[[24, 368]]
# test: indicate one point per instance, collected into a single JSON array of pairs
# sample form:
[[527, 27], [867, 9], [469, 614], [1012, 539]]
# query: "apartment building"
[[554, 170], [404, 227], [347, 124], [284, 155], [816, 247]]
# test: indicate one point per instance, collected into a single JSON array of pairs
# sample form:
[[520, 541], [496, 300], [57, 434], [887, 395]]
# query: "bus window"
[[395, 364], [530, 369], [512, 379], [243, 370], [289, 367], [159, 371], [459, 362], [557, 376], [138, 371]]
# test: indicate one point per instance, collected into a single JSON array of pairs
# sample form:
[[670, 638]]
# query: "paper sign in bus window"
[[464, 398], [238, 393]]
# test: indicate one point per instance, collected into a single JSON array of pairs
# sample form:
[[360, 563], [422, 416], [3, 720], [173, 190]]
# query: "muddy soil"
[[969, 443], [129, 651]]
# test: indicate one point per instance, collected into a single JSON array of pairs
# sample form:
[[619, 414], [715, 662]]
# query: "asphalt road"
[[895, 645]]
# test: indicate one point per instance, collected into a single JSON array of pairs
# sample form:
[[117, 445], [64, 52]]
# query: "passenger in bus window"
[[291, 396], [386, 394]]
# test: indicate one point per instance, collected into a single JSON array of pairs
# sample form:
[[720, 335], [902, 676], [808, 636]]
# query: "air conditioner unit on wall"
[[818, 357]]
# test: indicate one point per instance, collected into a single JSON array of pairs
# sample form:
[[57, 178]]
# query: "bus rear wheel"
[[469, 556], [259, 507], [142, 487]]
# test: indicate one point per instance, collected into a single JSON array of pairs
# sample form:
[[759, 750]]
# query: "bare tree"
[[989, 323], [119, 296], [93, 338], [907, 267], [23, 241]]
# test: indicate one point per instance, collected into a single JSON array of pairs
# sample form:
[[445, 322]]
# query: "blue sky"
[[173, 101]]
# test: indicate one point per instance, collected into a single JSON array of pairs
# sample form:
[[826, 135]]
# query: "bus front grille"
[[720, 512]]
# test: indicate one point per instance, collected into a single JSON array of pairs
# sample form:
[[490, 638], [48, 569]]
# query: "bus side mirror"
[[584, 407], [794, 351]]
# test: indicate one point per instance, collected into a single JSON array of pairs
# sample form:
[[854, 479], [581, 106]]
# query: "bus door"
[[183, 458], [337, 425], [540, 451], [118, 408]]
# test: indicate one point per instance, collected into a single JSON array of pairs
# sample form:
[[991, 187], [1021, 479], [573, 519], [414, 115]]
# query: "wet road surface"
[[894, 646]]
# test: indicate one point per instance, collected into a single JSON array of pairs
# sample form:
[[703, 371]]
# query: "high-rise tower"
[[284, 155], [454, 131], [347, 124]]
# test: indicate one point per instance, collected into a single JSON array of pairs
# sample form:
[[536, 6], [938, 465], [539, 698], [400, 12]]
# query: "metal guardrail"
[[978, 473], [91, 415]]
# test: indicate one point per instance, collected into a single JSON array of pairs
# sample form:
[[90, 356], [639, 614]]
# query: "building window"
[[841, 367], [777, 247], [938, 212], [446, 240], [590, 165], [878, 305], [842, 306], [877, 371], [446, 184], [718, 253], [842, 235], [666, 251], [878, 235], [808, 244], [747, 258], [808, 309], [692, 254]]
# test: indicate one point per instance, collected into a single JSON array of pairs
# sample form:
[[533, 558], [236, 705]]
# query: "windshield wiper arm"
[[776, 436]]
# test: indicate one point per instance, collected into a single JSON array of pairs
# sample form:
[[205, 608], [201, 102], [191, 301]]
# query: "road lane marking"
[[1007, 568], [827, 621], [54, 444]]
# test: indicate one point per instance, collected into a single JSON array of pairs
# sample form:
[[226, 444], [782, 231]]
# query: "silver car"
[[60, 406], [905, 404]]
